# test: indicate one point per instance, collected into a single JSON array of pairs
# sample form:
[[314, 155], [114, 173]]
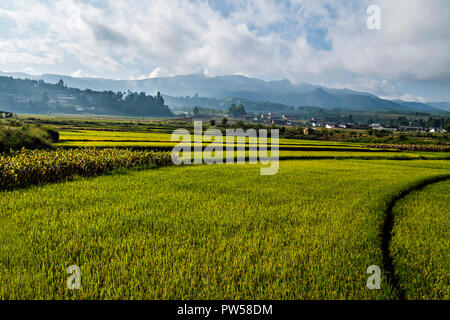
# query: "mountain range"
[[281, 92]]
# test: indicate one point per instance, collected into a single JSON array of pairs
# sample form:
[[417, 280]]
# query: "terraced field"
[[289, 148], [225, 231], [206, 232]]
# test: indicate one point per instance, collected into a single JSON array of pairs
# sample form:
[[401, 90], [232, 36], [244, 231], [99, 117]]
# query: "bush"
[[412, 147], [53, 134], [17, 137], [26, 167]]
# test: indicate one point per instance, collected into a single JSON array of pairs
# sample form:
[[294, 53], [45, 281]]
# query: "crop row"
[[206, 232], [26, 167], [413, 147]]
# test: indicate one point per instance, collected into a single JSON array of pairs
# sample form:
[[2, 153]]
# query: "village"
[[273, 118]]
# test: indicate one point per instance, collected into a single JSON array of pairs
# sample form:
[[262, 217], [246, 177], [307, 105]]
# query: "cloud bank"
[[320, 41]]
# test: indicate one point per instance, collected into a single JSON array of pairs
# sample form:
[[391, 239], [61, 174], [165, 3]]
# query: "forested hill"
[[39, 97]]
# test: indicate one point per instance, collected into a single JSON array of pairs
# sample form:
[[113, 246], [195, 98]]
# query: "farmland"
[[225, 231], [179, 233], [289, 148], [420, 242]]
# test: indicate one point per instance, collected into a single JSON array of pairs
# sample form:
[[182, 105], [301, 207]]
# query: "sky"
[[324, 42]]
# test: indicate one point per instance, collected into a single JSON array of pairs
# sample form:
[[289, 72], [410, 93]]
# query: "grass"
[[15, 135], [223, 231], [205, 232], [420, 242]]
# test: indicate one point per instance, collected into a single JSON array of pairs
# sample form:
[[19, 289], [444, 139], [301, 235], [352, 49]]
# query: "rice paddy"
[[421, 242], [226, 232]]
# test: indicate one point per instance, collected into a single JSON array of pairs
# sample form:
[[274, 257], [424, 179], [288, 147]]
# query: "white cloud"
[[81, 74], [261, 38], [157, 72]]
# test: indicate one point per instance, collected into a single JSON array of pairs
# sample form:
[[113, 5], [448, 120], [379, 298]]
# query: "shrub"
[[26, 167], [15, 137], [412, 147]]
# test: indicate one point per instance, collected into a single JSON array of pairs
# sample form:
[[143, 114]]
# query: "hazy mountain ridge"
[[440, 105], [279, 92]]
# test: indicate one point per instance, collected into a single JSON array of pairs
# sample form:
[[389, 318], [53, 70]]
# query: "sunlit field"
[[218, 231], [289, 148], [206, 232], [421, 242], [220, 158]]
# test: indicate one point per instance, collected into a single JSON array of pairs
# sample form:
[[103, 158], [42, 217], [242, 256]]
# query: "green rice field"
[[421, 242], [226, 232]]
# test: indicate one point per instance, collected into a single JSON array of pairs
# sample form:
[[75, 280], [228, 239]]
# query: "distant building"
[[273, 118], [376, 126], [317, 122], [437, 130], [6, 114]]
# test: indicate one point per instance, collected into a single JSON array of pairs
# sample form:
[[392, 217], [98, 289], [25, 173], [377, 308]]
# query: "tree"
[[44, 101], [239, 124], [212, 123], [224, 122], [159, 98], [241, 110], [237, 111], [196, 111]]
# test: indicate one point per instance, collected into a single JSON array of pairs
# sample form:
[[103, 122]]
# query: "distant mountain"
[[440, 105], [419, 107], [224, 103], [281, 92]]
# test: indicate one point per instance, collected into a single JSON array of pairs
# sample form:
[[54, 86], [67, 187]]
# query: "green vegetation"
[[420, 243], [25, 168], [289, 148], [179, 233], [431, 148], [237, 111], [30, 96], [220, 231], [14, 135]]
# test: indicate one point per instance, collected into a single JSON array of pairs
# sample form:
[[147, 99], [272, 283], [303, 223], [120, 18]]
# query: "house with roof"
[[6, 114]]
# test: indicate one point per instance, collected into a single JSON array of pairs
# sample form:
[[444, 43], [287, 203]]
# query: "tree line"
[[31, 96]]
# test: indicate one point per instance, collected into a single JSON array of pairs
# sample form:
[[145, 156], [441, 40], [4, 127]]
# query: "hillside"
[[39, 97], [441, 105], [224, 103], [258, 95]]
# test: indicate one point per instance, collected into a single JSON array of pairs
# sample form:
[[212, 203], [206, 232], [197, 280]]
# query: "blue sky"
[[319, 41]]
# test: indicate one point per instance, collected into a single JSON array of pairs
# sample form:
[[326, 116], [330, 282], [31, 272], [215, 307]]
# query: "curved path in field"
[[388, 227]]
